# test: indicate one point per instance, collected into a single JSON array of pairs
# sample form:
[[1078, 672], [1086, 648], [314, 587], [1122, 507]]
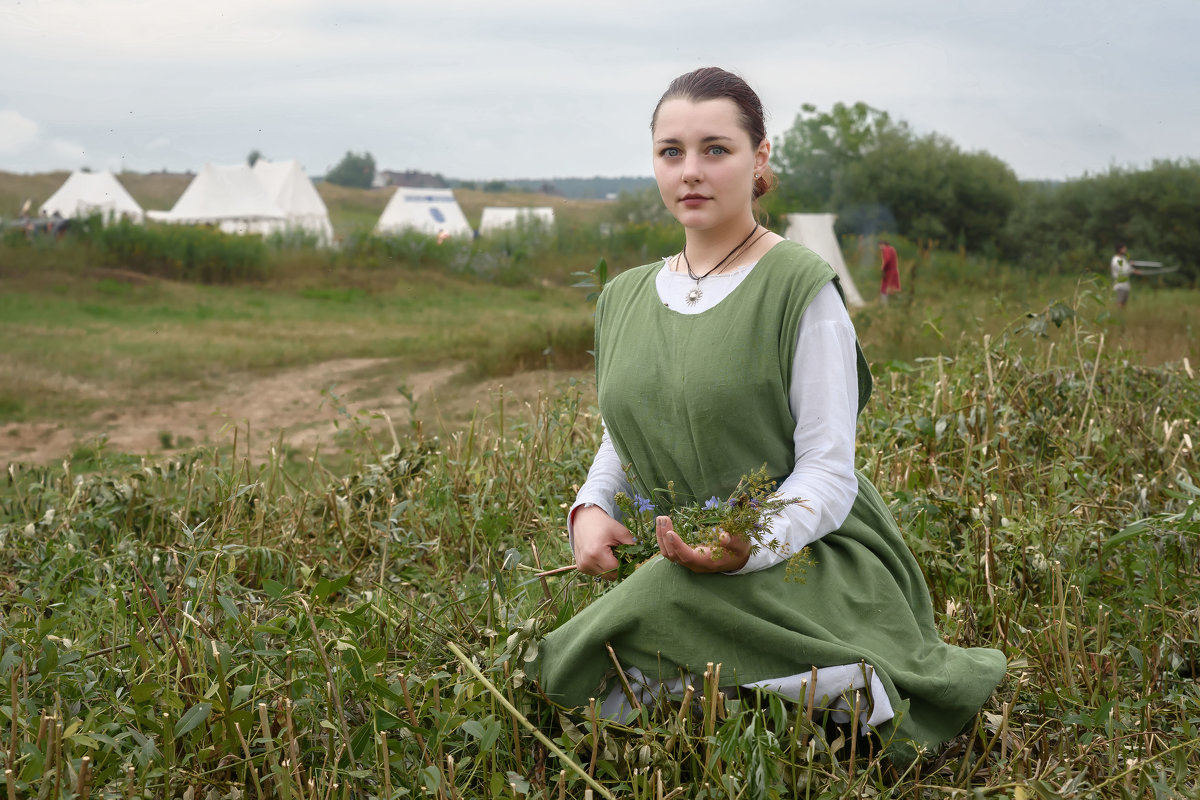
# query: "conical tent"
[[85, 193], [293, 192], [815, 231], [494, 217], [428, 211], [231, 198]]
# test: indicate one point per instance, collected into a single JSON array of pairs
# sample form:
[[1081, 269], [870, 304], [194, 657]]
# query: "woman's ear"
[[762, 155]]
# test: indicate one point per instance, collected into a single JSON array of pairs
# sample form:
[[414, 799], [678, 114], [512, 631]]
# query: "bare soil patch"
[[303, 409]]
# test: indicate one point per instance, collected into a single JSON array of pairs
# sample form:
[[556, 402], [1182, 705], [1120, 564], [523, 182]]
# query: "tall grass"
[[207, 625], [521, 254], [948, 295], [189, 253]]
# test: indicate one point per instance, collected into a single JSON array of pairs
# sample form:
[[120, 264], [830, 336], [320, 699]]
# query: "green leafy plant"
[[745, 514], [593, 279]]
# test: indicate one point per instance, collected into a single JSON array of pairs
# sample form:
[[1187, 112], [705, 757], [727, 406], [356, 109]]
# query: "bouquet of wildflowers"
[[746, 513]]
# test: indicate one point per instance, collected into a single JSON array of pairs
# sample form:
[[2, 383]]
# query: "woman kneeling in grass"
[[737, 352]]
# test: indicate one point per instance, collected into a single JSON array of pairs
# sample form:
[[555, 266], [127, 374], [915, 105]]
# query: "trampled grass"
[[209, 625]]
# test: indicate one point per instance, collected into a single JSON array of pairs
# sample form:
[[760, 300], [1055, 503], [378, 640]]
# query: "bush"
[[180, 252], [1076, 225]]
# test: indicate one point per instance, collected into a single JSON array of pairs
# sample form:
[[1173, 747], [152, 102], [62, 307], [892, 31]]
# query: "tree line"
[[879, 176], [882, 177]]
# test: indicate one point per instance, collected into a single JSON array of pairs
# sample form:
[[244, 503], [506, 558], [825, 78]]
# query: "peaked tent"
[[85, 193], [231, 198], [494, 218], [815, 231], [428, 211], [291, 189]]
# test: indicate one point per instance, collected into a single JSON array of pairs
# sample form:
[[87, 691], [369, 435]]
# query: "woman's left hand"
[[732, 554]]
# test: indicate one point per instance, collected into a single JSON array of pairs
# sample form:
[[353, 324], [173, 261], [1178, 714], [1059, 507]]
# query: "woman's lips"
[[693, 200]]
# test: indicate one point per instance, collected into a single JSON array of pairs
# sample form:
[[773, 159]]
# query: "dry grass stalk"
[[629, 695]]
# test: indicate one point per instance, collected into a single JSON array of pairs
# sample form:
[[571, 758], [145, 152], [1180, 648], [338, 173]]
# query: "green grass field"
[[190, 622], [81, 337], [155, 341]]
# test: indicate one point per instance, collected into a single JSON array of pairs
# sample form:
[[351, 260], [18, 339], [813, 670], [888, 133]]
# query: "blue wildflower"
[[711, 503], [642, 504]]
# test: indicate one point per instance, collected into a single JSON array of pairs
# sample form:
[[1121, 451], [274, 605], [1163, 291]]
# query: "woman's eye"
[[717, 150], [670, 152]]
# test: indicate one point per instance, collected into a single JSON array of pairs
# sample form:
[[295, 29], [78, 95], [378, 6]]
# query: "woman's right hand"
[[595, 535]]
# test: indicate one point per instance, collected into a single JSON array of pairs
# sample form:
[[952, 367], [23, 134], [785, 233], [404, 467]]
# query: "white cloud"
[[158, 143], [17, 132]]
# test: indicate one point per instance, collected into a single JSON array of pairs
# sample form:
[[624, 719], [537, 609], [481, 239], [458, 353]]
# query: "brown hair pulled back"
[[714, 83]]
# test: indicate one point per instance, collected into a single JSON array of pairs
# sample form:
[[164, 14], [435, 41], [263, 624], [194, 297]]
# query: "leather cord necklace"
[[693, 296]]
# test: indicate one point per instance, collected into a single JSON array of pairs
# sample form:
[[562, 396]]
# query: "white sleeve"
[[605, 478], [824, 401]]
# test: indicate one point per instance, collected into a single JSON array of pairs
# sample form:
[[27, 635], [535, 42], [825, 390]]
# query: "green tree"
[[254, 156], [355, 171], [1075, 225], [820, 145], [878, 175], [928, 188]]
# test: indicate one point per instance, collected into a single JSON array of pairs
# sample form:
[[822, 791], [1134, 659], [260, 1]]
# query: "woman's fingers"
[[731, 553], [669, 542], [596, 534], [599, 564]]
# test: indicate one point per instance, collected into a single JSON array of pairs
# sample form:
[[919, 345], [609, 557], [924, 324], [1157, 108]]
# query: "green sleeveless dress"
[[701, 400]]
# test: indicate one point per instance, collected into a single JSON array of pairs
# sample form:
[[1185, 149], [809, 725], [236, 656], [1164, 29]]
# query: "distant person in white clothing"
[[1121, 270]]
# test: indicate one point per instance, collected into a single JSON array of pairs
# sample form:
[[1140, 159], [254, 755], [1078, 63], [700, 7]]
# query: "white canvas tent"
[[494, 218], [815, 231], [85, 193], [428, 211], [293, 192], [231, 198]]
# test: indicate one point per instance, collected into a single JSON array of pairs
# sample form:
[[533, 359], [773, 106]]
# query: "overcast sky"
[[539, 89]]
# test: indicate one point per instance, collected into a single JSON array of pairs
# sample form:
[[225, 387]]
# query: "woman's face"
[[704, 163]]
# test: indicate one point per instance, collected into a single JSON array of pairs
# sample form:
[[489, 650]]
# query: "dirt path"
[[292, 404]]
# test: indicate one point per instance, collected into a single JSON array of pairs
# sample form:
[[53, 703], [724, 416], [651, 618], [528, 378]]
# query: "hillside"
[[597, 188], [154, 190]]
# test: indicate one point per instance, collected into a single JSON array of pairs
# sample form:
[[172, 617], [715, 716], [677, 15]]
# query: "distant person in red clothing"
[[891, 271]]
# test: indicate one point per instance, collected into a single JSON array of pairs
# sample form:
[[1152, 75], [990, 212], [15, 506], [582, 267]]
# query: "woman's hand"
[[595, 535], [733, 552]]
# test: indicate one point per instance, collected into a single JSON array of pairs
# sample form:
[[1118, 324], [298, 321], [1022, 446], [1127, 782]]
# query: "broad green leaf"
[[385, 721], [273, 589], [192, 718], [325, 588], [228, 604]]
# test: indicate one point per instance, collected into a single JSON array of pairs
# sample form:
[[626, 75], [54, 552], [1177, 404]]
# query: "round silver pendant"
[[693, 297]]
